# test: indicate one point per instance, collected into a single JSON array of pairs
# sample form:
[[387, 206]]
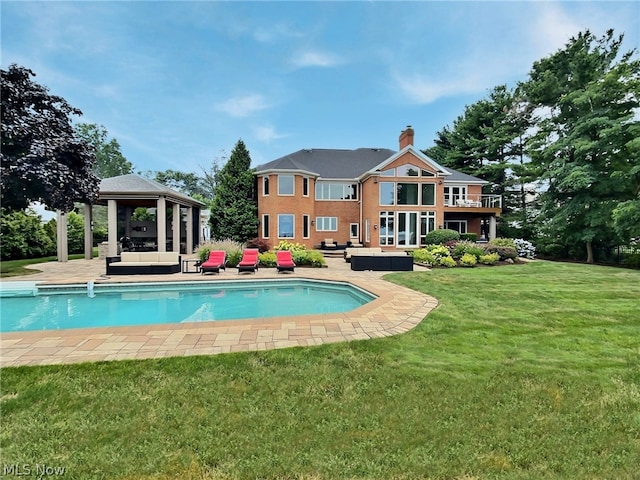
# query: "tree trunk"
[[589, 252]]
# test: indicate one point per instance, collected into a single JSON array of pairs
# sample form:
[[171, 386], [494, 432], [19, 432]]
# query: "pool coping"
[[396, 310]]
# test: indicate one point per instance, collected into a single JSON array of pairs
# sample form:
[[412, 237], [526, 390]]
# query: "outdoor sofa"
[[359, 251], [143, 263], [382, 261]]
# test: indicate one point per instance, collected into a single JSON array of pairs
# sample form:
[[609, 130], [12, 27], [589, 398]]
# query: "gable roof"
[[352, 164], [328, 163], [417, 153], [131, 185]]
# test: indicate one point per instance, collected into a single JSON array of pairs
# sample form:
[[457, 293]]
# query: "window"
[[427, 173], [305, 226], [387, 220], [265, 186], [407, 193], [336, 191], [354, 230], [387, 193], [305, 186], [265, 226], [367, 230], [459, 226], [428, 194], [326, 224], [427, 224], [408, 171], [454, 194], [285, 225], [388, 173], [285, 185]]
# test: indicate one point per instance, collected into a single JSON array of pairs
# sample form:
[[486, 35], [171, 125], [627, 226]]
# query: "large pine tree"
[[587, 147], [234, 214]]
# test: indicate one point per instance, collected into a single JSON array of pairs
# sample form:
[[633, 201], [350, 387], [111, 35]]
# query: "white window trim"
[[293, 180], [265, 215], [320, 224], [305, 179], [293, 224], [306, 222], [265, 180], [466, 225], [357, 235]]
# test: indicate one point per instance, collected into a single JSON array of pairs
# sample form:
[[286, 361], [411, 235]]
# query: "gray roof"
[[135, 185], [347, 164], [330, 163]]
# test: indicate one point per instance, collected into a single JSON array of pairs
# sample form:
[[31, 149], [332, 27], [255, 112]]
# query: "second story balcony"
[[493, 202]]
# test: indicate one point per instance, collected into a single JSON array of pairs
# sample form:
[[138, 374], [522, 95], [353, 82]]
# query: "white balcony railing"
[[473, 201]]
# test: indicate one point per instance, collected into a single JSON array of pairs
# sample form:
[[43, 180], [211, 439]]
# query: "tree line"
[[561, 147]]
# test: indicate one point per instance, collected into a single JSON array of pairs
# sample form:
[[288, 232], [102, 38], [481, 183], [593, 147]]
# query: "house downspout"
[[360, 229]]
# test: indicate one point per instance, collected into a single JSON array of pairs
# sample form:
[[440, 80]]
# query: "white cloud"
[[243, 106], [552, 27], [267, 133], [274, 32], [316, 59]]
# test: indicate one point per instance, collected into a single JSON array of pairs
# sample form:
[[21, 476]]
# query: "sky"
[[178, 83]]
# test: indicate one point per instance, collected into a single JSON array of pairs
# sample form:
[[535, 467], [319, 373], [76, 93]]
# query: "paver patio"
[[396, 310]]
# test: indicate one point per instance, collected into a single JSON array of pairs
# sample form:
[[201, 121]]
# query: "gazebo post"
[[112, 219], [161, 222], [189, 228], [88, 232], [176, 227], [61, 236]]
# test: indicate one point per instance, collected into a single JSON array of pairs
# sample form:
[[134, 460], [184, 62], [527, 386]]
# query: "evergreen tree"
[[234, 214], [587, 148]]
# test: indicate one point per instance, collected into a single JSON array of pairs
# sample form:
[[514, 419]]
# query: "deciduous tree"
[[41, 158], [110, 162]]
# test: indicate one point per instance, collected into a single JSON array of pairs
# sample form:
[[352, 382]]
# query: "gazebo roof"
[[139, 189]]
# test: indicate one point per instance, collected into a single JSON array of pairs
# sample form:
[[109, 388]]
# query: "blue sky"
[[178, 83]]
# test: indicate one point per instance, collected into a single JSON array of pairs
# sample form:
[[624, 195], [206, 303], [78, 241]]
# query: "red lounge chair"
[[215, 262], [249, 261], [284, 261]]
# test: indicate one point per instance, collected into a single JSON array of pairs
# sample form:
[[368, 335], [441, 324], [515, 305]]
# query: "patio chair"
[[284, 261], [214, 263], [249, 261], [329, 244]]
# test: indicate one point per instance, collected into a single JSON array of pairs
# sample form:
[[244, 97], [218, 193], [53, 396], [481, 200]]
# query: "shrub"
[[463, 247], [233, 258], [23, 235], [503, 252], [447, 262], [471, 237], [423, 255], [468, 260], [503, 242], [489, 259], [438, 251], [291, 246], [441, 236], [525, 248], [231, 247], [267, 259], [261, 245], [311, 258]]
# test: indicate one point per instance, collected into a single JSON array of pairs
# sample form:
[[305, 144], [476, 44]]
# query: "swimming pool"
[[107, 305]]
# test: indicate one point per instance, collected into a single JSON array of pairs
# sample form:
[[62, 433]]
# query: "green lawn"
[[523, 372]]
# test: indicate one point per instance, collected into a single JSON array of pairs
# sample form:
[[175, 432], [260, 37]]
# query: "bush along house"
[[370, 196]]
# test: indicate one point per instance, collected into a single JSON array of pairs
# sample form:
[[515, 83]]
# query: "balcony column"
[[189, 227], [492, 227]]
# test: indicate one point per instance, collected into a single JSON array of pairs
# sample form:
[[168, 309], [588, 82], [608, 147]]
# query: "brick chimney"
[[406, 137]]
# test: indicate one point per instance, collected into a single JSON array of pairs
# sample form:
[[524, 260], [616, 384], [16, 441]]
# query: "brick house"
[[373, 196]]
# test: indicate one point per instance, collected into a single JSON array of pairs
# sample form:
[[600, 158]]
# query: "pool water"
[[145, 304]]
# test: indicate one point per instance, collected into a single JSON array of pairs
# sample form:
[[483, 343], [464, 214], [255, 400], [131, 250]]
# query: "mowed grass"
[[523, 372]]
